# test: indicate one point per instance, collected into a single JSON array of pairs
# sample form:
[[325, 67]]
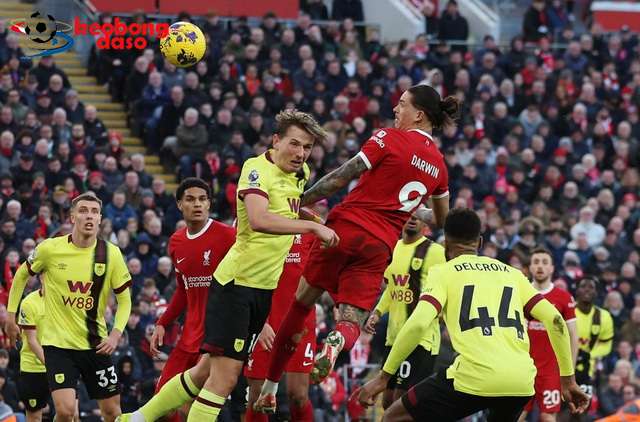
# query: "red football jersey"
[[540, 346], [405, 168], [195, 258], [288, 284]]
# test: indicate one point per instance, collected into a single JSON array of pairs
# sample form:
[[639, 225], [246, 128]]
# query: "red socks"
[[283, 346], [251, 416], [302, 414], [350, 332]]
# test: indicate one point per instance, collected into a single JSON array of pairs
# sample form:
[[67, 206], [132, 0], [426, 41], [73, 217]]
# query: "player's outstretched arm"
[[558, 332], [261, 220], [334, 181], [15, 295]]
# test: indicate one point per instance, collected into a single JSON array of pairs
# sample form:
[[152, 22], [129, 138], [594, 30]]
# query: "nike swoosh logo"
[[307, 363], [180, 260]]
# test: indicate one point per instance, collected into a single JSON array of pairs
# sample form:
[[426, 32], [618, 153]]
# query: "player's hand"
[[328, 237], [266, 337], [368, 393], [157, 339], [370, 325], [11, 330], [109, 344], [572, 394]]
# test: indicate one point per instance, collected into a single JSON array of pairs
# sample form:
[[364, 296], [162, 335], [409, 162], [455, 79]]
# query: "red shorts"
[[547, 394], [178, 362], [352, 271], [301, 361]]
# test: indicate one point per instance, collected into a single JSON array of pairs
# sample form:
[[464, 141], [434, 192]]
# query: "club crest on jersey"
[[59, 378], [206, 256], [238, 345], [416, 264], [253, 178], [99, 269]]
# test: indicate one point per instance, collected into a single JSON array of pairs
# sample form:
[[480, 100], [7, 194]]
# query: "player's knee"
[[200, 374], [65, 412], [297, 397], [110, 410], [547, 417]]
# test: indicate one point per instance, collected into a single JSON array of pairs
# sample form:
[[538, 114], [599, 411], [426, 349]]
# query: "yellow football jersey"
[[74, 306], [484, 303], [398, 294], [31, 318], [584, 325], [256, 259]]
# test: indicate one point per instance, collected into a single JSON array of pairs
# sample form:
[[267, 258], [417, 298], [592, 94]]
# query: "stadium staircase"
[[111, 113]]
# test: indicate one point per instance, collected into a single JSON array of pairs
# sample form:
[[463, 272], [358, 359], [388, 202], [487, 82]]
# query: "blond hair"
[[305, 121]]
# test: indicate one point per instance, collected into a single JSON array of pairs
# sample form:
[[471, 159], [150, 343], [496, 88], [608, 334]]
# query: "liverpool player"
[[195, 251], [399, 169], [547, 382], [301, 363]]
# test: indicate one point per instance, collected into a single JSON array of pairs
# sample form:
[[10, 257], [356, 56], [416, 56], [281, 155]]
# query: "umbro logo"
[[62, 266]]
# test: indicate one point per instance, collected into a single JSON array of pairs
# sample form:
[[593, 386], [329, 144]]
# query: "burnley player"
[[399, 169], [301, 363], [483, 302], [547, 382], [269, 191]]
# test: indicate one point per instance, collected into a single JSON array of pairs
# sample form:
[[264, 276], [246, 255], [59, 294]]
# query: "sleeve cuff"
[[31, 272], [244, 192], [432, 300], [27, 327], [442, 195], [364, 158], [530, 304], [122, 288]]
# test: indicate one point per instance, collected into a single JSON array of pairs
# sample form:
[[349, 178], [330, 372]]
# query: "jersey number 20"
[[483, 320]]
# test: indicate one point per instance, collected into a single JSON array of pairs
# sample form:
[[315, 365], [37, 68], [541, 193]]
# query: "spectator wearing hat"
[[44, 108], [79, 172], [23, 172], [144, 252], [97, 185], [94, 128]]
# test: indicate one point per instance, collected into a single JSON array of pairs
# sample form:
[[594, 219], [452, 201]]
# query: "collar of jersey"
[[202, 230], [70, 241]]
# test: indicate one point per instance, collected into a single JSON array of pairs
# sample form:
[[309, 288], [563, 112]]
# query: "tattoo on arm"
[[353, 314], [558, 323], [334, 181]]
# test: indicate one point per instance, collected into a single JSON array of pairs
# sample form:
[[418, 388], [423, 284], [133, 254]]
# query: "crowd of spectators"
[[546, 151]]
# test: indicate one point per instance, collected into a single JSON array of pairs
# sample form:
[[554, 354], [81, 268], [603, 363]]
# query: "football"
[[40, 29], [184, 44]]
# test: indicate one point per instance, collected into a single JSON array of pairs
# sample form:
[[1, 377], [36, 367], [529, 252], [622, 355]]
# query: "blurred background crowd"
[[546, 151]]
